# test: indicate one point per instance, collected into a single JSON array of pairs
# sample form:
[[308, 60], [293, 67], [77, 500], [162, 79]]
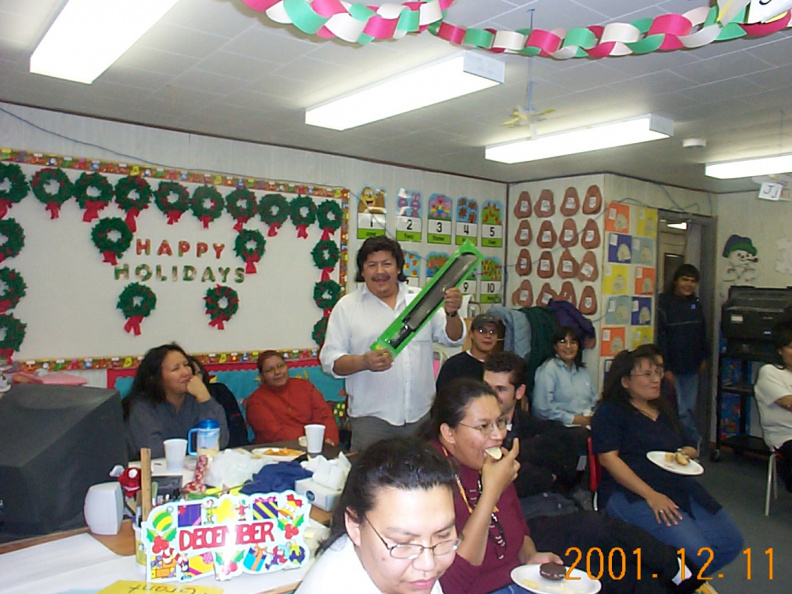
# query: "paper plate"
[[527, 576], [659, 458], [277, 454]]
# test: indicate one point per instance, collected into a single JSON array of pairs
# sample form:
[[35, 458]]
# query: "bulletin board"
[[116, 258]]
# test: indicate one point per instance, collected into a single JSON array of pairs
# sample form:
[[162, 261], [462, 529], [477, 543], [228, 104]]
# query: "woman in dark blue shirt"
[[632, 421]]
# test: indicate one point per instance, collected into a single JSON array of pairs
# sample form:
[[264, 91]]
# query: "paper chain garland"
[[357, 23]]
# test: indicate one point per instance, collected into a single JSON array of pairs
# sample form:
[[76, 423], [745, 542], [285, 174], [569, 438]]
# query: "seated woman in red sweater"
[[281, 406]]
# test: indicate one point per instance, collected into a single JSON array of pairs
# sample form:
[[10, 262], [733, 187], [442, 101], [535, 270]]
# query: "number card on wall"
[[409, 225], [466, 221], [371, 213], [491, 280], [439, 225], [492, 224]]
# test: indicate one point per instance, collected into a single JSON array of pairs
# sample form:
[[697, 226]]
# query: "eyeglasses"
[[275, 368], [413, 551], [491, 332], [657, 372], [488, 428]]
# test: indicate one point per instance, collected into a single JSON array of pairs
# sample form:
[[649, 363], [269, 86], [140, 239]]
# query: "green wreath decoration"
[[242, 205], [92, 204], [17, 186], [325, 256], [132, 206], [15, 289], [53, 202], [136, 302], [326, 294], [250, 255], [14, 335], [329, 216], [173, 209], [14, 238], [302, 213], [319, 330], [218, 314], [111, 247], [207, 214], [273, 210]]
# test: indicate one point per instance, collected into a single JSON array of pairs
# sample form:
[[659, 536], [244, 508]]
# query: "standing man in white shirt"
[[387, 397]]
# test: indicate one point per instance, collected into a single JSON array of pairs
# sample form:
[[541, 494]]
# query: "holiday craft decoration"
[[320, 330], [203, 212], [42, 184], [221, 304], [249, 245], [302, 213], [12, 337], [172, 207], [329, 215], [133, 195], [359, 23], [17, 186], [14, 239], [273, 210], [15, 289], [241, 204], [93, 193], [136, 302], [325, 256], [326, 294], [112, 238]]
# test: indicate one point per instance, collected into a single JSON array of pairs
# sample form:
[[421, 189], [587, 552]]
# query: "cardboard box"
[[317, 494]]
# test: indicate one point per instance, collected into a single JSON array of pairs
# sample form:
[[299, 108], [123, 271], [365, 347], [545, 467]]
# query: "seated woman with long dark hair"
[[465, 421], [632, 421], [393, 528], [167, 400]]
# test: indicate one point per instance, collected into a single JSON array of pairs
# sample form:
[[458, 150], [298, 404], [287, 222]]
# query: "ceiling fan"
[[528, 114]]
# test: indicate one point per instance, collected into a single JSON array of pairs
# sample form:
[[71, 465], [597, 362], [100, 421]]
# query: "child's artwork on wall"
[[438, 228], [409, 225], [742, 261], [467, 218], [371, 212], [412, 268]]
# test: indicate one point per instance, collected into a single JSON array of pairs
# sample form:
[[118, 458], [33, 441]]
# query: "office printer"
[[748, 317]]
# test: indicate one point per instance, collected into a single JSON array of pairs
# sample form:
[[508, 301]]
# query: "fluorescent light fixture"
[[591, 138], [682, 226], [432, 83], [750, 167], [89, 35]]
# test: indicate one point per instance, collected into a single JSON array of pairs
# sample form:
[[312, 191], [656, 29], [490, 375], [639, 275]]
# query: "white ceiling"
[[217, 67]]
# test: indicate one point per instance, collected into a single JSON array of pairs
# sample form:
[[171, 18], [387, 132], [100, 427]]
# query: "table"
[[77, 560]]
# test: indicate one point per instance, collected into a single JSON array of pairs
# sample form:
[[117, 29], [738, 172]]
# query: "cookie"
[[545, 268], [569, 233], [552, 571], [590, 236], [523, 295], [567, 265], [523, 266], [545, 206], [524, 234]]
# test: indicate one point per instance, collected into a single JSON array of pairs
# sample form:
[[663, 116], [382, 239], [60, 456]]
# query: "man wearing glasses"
[[483, 340], [281, 406]]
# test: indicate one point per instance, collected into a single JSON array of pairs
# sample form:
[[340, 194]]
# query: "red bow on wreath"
[[131, 219], [133, 325], [5, 204], [7, 355], [5, 305], [92, 208], [54, 209], [174, 216], [250, 263], [273, 229], [205, 220], [109, 257], [219, 321], [240, 223]]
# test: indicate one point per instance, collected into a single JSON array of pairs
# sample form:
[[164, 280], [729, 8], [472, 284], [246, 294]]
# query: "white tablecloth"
[[81, 563]]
